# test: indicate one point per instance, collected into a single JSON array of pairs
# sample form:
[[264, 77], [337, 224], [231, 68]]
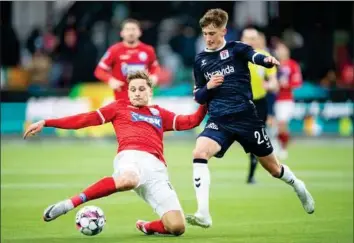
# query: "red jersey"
[[136, 128], [120, 59], [290, 77]]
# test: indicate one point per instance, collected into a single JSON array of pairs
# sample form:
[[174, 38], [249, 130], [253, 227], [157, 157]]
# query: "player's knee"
[[176, 228], [174, 222], [199, 153], [282, 126], [275, 172]]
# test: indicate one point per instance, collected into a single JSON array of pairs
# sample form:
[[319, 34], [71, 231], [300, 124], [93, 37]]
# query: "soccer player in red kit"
[[289, 77], [139, 164], [123, 57]]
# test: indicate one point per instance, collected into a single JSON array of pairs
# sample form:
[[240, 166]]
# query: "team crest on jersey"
[[143, 56], [224, 54], [154, 111], [153, 120]]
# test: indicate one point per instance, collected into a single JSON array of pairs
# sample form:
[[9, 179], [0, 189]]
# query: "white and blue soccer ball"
[[90, 220]]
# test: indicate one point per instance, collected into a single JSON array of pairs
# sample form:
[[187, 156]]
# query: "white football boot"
[[199, 220], [305, 197], [55, 210]]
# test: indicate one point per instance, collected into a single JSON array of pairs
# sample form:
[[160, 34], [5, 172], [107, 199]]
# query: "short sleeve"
[[168, 119]]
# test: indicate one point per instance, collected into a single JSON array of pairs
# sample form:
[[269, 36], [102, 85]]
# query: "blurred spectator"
[[50, 41], [85, 59], [184, 44], [62, 70], [34, 40], [39, 68]]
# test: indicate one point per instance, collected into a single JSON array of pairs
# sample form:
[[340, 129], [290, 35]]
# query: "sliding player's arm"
[[171, 121], [255, 57], [103, 70], [93, 118]]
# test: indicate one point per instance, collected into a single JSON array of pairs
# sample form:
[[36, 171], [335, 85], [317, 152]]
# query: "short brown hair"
[[217, 17], [140, 75], [130, 21]]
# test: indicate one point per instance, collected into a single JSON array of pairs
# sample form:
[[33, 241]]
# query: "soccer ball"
[[90, 220]]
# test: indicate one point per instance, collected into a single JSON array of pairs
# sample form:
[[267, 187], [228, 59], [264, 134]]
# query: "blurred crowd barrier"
[[314, 118]]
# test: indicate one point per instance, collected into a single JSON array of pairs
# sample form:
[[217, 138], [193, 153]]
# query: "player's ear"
[[225, 31]]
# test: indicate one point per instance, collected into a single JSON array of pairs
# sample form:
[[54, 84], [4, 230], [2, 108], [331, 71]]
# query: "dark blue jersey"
[[231, 61]]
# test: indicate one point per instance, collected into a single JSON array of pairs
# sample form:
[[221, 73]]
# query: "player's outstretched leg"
[[104, 187], [171, 223], [253, 166], [283, 172]]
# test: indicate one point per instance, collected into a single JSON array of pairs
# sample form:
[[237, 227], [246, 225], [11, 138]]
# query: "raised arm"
[[255, 57], [171, 121]]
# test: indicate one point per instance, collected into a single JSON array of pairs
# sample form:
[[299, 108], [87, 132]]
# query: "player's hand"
[[34, 128], [215, 81], [115, 84], [271, 60]]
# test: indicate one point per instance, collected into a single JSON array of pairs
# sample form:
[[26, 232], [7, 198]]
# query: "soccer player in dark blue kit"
[[222, 81]]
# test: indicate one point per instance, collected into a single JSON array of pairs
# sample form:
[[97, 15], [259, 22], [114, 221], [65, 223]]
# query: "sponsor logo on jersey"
[[153, 120], [225, 71], [212, 126], [224, 54], [203, 62], [143, 56], [128, 68], [124, 57]]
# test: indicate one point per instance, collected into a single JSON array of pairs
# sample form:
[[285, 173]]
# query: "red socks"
[[156, 226], [102, 188], [284, 139]]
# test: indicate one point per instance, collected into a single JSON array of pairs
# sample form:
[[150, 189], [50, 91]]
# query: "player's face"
[[130, 33], [282, 52], [213, 36], [139, 92], [261, 43], [250, 37]]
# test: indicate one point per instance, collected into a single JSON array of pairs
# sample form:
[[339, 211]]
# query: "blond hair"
[[140, 75], [216, 17]]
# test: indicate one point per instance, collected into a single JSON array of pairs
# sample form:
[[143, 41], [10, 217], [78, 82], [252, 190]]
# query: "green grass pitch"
[[35, 174]]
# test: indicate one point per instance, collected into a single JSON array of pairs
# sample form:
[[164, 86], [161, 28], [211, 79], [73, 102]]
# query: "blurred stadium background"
[[49, 51]]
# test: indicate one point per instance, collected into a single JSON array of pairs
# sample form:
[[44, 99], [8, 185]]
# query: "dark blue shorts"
[[271, 97], [244, 127], [262, 109]]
